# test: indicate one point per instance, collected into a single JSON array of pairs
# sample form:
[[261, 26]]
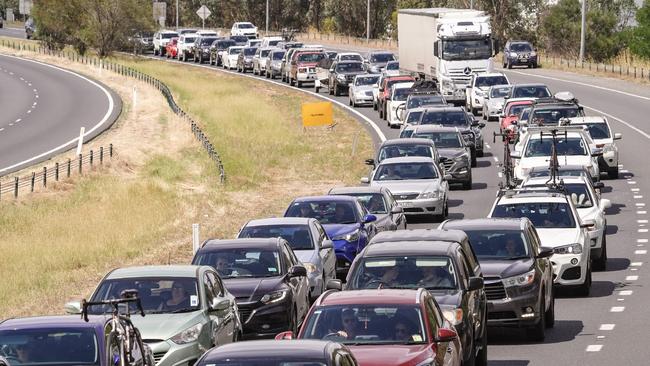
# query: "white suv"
[[398, 95], [559, 227], [602, 136], [479, 87], [244, 29], [574, 147], [160, 40], [589, 206], [185, 43]]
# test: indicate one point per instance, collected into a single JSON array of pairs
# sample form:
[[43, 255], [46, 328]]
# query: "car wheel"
[[485, 114], [479, 153], [482, 356], [583, 290], [329, 90], [155, 51], [473, 159], [381, 114], [293, 327], [184, 57], [374, 105], [350, 102], [509, 65], [299, 83], [550, 313], [538, 331], [601, 263], [535, 65], [337, 90], [468, 184], [612, 173]]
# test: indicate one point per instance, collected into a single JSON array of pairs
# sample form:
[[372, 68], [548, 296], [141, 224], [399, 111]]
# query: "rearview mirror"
[[618, 136], [327, 244], [397, 210], [365, 180], [588, 224], [515, 155], [544, 252], [73, 307], [219, 304], [605, 204], [334, 285], [446, 335], [370, 162], [475, 283], [297, 271], [369, 218]]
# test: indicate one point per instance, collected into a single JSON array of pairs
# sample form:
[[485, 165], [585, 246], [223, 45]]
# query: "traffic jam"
[[341, 277]]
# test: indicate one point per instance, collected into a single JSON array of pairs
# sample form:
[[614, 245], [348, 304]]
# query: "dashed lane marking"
[[631, 182], [642, 240], [642, 230], [625, 293], [641, 212], [617, 309], [636, 264], [631, 278], [594, 347], [641, 251], [634, 189]]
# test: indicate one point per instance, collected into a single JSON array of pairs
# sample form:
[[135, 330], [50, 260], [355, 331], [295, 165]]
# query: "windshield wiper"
[[518, 257], [183, 310]]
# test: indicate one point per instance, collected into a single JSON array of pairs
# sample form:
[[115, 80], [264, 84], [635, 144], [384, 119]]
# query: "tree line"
[[103, 24]]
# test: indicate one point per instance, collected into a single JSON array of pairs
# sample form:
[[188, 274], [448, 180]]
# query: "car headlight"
[[523, 279], [353, 236], [435, 194], [533, 54], [513, 54], [461, 158], [189, 335], [568, 249], [272, 297], [454, 316], [310, 267]]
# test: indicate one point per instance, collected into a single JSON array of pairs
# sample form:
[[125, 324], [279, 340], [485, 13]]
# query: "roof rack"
[[510, 192]]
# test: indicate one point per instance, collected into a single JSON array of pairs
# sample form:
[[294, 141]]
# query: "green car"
[[188, 310]]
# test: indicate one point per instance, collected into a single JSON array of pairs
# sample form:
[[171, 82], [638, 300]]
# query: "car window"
[[382, 57], [326, 212], [598, 130], [530, 92], [287, 260], [544, 215], [395, 151], [498, 244], [434, 322], [499, 92], [53, 346], [349, 67], [216, 284], [406, 171], [241, 262], [487, 81], [374, 203], [580, 195], [571, 146], [520, 47], [410, 272], [297, 236], [209, 289], [552, 116], [442, 140], [444, 118]]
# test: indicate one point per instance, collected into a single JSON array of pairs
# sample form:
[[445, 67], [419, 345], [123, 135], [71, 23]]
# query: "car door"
[[327, 255], [228, 324], [398, 218], [470, 302], [544, 264], [215, 321], [299, 285]]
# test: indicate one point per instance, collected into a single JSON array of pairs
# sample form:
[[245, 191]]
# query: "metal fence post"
[[80, 162], [101, 155], [91, 158], [69, 167], [44, 176], [110, 150], [33, 180], [16, 187], [56, 172]]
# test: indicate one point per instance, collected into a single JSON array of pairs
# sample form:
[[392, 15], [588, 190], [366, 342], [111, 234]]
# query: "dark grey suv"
[[517, 271], [519, 53]]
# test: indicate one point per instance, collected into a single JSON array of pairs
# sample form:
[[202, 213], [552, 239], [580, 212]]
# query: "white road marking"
[[594, 347], [641, 212], [2, 129], [624, 171], [18, 120], [640, 204], [634, 269], [641, 251], [488, 146], [620, 299], [642, 240], [631, 278], [29, 111], [638, 197], [636, 264], [495, 159], [600, 337], [631, 182], [640, 245], [617, 309], [634, 189], [500, 174], [642, 230], [625, 293]]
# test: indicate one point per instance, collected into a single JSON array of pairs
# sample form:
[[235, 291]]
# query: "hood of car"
[[409, 186], [351, 73], [390, 354], [165, 326], [363, 88], [306, 64], [494, 102], [336, 230], [451, 152], [556, 237], [306, 256], [505, 268], [251, 289], [448, 298]]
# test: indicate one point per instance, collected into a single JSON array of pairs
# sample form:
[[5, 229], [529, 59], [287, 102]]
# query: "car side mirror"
[[365, 180], [369, 218], [618, 136], [475, 283], [599, 185], [370, 162], [327, 244], [377, 86], [397, 210], [284, 336], [446, 335], [605, 204], [334, 285], [219, 303], [448, 177], [297, 271], [515, 155], [544, 252], [481, 124], [588, 224], [596, 152], [73, 307]]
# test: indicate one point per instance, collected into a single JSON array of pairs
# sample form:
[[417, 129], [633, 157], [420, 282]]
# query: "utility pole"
[[583, 30], [267, 17], [368, 21], [176, 14]]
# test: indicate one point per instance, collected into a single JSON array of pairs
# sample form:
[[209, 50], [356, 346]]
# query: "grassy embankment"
[[57, 244]]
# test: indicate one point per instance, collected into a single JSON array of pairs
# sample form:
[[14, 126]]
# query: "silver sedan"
[[361, 89], [379, 202]]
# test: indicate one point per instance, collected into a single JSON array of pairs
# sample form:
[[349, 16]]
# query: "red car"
[[384, 91], [172, 48], [511, 114], [384, 327]]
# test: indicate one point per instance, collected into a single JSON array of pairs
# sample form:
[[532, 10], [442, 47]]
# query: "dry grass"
[[58, 243]]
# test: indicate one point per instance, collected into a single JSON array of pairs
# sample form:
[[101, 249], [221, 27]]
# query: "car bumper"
[[168, 353], [460, 175], [302, 77], [363, 99], [522, 61], [494, 112], [427, 206], [264, 321], [570, 269], [512, 310]]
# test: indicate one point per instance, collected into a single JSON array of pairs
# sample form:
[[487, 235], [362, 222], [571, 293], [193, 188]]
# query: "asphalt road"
[[43, 108]]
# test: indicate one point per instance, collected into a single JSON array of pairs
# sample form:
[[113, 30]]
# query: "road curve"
[[42, 109]]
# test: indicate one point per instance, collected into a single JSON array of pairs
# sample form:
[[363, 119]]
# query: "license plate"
[[406, 204], [523, 59]]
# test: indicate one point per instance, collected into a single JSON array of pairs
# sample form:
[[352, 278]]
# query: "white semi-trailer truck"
[[446, 45]]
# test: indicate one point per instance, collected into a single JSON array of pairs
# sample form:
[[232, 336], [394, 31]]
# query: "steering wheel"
[[378, 281], [333, 336]]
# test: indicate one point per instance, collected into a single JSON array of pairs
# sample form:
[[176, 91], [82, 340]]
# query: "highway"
[[43, 109]]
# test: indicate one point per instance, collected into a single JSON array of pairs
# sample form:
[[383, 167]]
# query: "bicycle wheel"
[[147, 353], [113, 347]]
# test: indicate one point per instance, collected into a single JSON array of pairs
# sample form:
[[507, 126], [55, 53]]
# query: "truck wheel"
[[612, 173]]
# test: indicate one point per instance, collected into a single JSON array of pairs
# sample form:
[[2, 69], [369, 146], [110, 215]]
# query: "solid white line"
[[631, 278], [607, 327], [641, 132], [617, 309], [594, 347], [625, 293], [111, 106]]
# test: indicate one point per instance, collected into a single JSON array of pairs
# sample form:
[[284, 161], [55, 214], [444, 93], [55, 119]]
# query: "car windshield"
[[273, 42], [382, 57], [442, 140], [487, 81], [249, 51], [471, 49], [373, 202], [351, 58], [247, 262], [523, 115], [549, 116], [349, 67], [413, 117], [277, 56], [400, 94], [406, 171], [367, 324], [264, 53], [520, 47], [424, 100], [514, 110], [298, 236], [366, 80], [579, 194], [411, 272], [169, 35], [538, 91], [239, 39], [50, 346], [189, 39], [225, 44], [572, 146], [498, 244], [326, 212], [245, 26], [235, 51], [598, 130], [499, 92], [544, 215], [159, 295], [396, 151], [207, 41], [392, 66], [310, 57], [445, 118]]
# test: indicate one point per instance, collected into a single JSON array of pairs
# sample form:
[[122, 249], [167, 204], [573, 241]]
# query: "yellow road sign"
[[317, 114]]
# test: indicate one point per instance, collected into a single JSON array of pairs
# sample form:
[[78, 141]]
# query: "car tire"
[[293, 327], [482, 356], [550, 313], [509, 65], [381, 114], [474, 159], [480, 153], [485, 115], [155, 51], [299, 83], [601, 263], [583, 290], [538, 331], [612, 173], [337, 90], [374, 105], [350, 102], [468, 184], [184, 58]]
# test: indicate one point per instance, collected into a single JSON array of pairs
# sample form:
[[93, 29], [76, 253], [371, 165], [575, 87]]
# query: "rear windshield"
[[406, 171], [189, 39], [553, 116], [442, 140], [572, 146], [425, 100], [245, 26], [392, 66], [234, 51], [297, 236], [501, 92], [169, 35], [351, 58], [249, 51], [310, 57], [277, 55], [444, 118], [487, 81], [538, 91], [207, 41], [366, 80], [520, 47], [414, 117], [598, 130], [225, 44], [264, 53], [498, 244], [400, 94], [546, 215], [396, 151], [382, 57]]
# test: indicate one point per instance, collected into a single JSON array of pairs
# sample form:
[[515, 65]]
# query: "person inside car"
[[343, 214], [306, 210], [390, 173], [350, 324], [511, 249], [179, 298], [222, 265], [376, 204], [435, 277], [403, 331]]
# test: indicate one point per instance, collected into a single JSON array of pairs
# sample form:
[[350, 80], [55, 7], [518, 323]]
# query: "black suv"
[[549, 111], [438, 261], [219, 47], [201, 48], [342, 74], [517, 271], [517, 53]]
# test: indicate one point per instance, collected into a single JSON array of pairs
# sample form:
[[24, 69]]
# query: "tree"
[[57, 22], [640, 36]]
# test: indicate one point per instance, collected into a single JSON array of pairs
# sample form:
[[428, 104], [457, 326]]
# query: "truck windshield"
[[466, 49]]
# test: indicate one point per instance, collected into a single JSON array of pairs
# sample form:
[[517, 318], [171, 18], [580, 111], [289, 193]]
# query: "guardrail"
[[130, 72], [55, 173]]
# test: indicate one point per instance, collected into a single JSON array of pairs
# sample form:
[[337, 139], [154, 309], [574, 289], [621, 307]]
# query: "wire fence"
[[621, 70], [55, 173], [133, 73]]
